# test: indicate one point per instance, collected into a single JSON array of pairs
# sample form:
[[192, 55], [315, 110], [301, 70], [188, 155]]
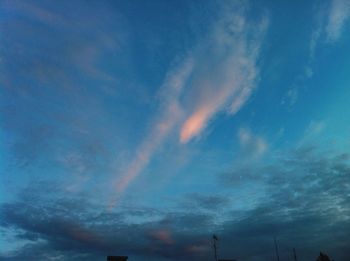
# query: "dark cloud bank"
[[306, 206]]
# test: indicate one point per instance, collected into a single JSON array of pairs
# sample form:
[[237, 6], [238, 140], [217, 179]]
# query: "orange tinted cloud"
[[164, 123], [208, 105], [146, 150], [163, 236], [219, 75], [228, 82], [193, 125]]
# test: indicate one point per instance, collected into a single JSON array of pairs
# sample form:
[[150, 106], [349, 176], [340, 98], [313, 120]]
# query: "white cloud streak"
[[339, 13], [228, 71], [251, 144], [330, 19]]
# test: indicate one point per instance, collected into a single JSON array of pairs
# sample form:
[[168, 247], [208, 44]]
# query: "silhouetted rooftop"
[[117, 258]]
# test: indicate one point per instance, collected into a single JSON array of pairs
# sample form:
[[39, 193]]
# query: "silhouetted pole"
[[215, 238], [276, 248], [295, 255]]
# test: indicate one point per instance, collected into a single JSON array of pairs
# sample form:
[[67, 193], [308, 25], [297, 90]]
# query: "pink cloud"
[[169, 115], [194, 124], [228, 82], [219, 75], [163, 236]]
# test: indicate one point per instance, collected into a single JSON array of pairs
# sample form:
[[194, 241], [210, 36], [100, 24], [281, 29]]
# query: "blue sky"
[[141, 128]]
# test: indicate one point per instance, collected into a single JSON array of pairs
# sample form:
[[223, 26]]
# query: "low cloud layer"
[[305, 202]]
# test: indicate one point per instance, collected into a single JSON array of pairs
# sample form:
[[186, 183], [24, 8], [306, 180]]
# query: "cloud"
[[338, 14], [206, 202], [194, 124], [315, 127], [49, 230], [58, 87], [50, 106], [251, 144], [169, 115], [218, 74], [163, 235], [228, 69], [73, 45], [291, 97], [312, 132], [330, 20], [305, 203]]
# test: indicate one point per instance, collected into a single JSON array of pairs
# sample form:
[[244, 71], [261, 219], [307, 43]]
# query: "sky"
[[142, 128]]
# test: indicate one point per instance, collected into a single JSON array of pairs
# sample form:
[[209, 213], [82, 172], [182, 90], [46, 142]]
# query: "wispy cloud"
[[304, 203], [313, 132], [162, 235], [250, 143], [218, 74], [338, 14], [228, 71], [330, 20], [169, 115], [74, 45]]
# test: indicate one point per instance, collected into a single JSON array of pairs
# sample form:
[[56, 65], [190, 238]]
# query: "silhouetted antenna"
[[276, 248], [215, 238], [295, 255]]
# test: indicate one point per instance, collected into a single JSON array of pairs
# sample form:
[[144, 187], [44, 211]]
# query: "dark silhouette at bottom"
[[323, 257], [117, 258]]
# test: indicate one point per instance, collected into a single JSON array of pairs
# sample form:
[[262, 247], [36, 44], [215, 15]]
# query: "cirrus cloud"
[[218, 74]]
